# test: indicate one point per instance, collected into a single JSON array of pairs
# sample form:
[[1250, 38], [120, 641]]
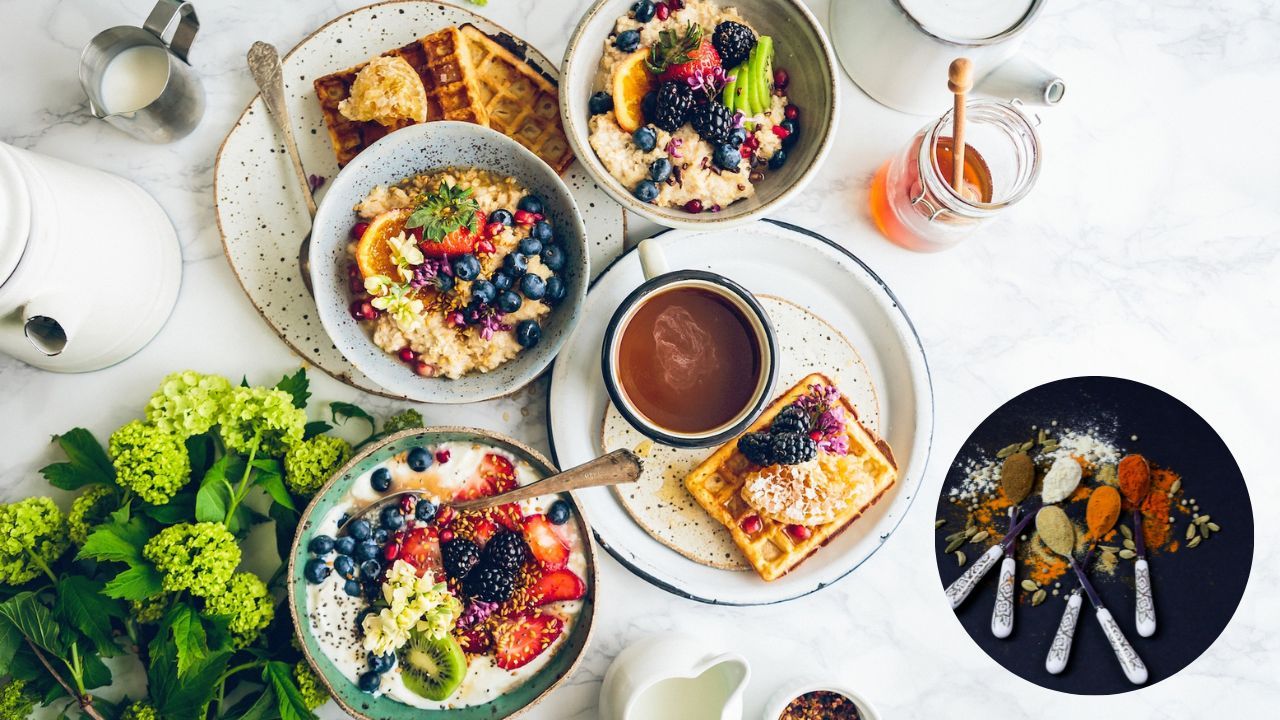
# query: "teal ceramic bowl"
[[367, 707]]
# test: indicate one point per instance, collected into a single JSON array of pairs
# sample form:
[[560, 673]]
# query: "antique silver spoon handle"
[[1060, 650], [264, 65]]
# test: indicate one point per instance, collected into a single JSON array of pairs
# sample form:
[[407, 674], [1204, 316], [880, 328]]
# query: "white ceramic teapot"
[[672, 676], [89, 264]]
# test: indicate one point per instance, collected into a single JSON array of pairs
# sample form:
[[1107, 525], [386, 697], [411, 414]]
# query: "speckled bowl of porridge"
[[700, 113], [448, 263]]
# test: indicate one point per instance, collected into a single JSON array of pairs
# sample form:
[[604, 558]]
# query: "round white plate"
[[774, 258], [260, 210]]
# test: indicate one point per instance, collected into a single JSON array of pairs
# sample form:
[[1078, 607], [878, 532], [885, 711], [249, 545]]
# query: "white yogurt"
[[967, 20]]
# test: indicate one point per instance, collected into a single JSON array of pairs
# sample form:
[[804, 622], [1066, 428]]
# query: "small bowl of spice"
[[817, 699]]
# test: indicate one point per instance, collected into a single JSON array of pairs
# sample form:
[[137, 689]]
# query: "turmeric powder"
[[1102, 512]]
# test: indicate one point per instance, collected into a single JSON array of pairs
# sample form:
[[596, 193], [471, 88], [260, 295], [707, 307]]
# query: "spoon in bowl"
[[264, 65], [1101, 522], [1017, 475], [1135, 492]]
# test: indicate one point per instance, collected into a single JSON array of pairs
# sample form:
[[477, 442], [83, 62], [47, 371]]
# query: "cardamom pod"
[[1129, 544], [980, 537], [1125, 531], [1202, 519], [960, 558], [1109, 548], [1204, 531], [1008, 450], [1039, 597], [1194, 542], [1176, 486], [1030, 586], [970, 531], [1213, 526], [1191, 531], [956, 535], [939, 523], [1128, 554], [954, 545], [1040, 436], [1026, 446]]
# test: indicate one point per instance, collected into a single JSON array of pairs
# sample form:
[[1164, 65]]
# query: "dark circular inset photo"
[[1094, 535]]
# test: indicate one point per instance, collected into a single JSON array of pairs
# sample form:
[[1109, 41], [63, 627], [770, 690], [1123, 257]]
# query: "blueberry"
[[528, 333], [737, 136], [542, 231], [646, 191], [627, 40], [345, 566], [381, 479], [466, 267], [315, 571], [558, 513], [533, 287], [508, 301], [601, 102], [531, 245], [370, 569], [381, 535], [382, 663], [391, 517], [367, 550], [643, 11], [352, 588], [553, 257], [530, 203], [369, 682], [345, 545], [372, 589], [556, 289], [483, 291], [727, 157], [501, 280], [321, 545], [660, 170], [419, 459], [360, 529], [515, 264], [645, 138], [649, 104], [425, 511], [502, 216], [444, 283], [793, 132], [343, 518], [778, 159]]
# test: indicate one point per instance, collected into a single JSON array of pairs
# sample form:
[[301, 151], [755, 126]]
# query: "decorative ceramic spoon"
[[959, 590], [1145, 608], [1017, 475], [1101, 523]]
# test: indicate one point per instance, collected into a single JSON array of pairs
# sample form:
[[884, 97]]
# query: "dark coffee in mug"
[[689, 359]]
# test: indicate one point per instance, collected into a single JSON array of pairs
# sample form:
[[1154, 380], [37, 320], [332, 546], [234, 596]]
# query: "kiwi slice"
[[432, 668]]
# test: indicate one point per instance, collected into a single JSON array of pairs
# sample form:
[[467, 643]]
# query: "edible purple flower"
[[490, 321], [827, 417], [476, 612], [316, 182], [426, 273], [737, 118], [673, 147], [709, 82]]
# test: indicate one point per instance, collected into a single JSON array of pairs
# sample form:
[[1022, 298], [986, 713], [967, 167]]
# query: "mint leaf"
[[288, 698], [139, 582], [189, 640], [81, 604], [297, 386], [34, 621], [87, 462], [255, 706]]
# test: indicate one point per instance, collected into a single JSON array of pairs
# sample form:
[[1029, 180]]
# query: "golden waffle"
[[717, 483], [442, 61], [519, 101]]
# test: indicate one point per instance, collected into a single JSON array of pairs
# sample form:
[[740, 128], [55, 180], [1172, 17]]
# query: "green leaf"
[[189, 696], [244, 381], [297, 386], [10, 642], [286, 528], [189, 640], [201, 450], [213, 499], [314, 428], [34, 621], [117, 542], [94, 672], [343, 411], [270, 478], [137, 583], [81, 604], [288, 697], [87, 462], [180, 508], [259, 705]]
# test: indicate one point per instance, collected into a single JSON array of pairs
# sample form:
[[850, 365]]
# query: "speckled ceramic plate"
[[260, 211], [768, 258], [367, 707]]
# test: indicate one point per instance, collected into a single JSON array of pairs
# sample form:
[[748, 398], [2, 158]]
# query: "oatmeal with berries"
[[454, 271], [688, 111]]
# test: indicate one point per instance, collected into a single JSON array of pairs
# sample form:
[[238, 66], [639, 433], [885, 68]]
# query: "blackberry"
[[490, 584], [713, 121], [506, 550], [671, 106], [734, 41], [756, 447], [460, 556], [792, 448], [791, 419]]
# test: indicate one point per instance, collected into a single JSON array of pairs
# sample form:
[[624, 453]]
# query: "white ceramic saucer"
[[767, 257]]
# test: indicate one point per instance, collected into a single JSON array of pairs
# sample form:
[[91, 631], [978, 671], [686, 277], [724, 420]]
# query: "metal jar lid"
[[15, 212]]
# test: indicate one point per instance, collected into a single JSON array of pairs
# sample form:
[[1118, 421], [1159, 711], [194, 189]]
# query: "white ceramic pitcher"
[[89, 264], [672, 676]]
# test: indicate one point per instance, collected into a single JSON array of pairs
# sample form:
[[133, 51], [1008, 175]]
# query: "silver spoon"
[[264, 65], [616, 468]]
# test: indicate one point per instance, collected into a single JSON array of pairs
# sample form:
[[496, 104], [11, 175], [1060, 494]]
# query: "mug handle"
[[162, 17], [652, 259]]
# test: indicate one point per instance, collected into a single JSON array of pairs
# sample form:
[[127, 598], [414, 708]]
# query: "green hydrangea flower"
[[247, 602], [265, 413], [151, 462], [313, 693], [15, 702], [309, 464], [88, 510], [199, 557], [149, 611], [188, 403], [141, 710], [402, 421], [33, 535]]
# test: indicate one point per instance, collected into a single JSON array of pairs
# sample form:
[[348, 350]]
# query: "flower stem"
[[40, 563], [241, 488], [85, 699]]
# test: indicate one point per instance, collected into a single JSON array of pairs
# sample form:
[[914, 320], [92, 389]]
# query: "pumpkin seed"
[[1213, 526], [1175, 487], [939, 524], [954, 545], [1194, 542], [1191, 531], [1030, 586], [1039, 597], [960, 558], [980, 537], [1125, 531], [1008, 450], [1129, 544], [1128, 554]]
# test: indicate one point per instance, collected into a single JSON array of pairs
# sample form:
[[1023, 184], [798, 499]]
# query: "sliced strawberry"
[[509, 516], [476, 486], [475, 641], [556, 586], [544, 543], [499, 470], [458, 242], [702, 60], [421, 549], [484, 530], [518, 640]]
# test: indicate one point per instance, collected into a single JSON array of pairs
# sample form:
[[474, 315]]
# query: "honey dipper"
[[959, 82]]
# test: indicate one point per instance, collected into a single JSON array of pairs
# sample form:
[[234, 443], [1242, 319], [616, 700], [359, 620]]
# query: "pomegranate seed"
[[391, 551], [446, 535], [781, 132], [356, 286], [424, 368], [791, 112], [363, 310], [407, 354], [693, 206], [799, 532], [663, 12], [433, 534], [353, 270], [751, 524], [781, 78], [744, 151], [444, 515], [358, 229], [485, 246], [407, 504], [675, 4], [494, 228], [815, 436], [524, 217], [442, 456], [399, 536]]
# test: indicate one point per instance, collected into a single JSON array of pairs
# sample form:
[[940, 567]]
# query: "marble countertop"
[[1150, 249]]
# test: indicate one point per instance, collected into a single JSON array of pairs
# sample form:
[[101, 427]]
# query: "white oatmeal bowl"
[[700, 191]]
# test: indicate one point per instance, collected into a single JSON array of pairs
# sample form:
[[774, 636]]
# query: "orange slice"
[[631, 81], [373, 252]]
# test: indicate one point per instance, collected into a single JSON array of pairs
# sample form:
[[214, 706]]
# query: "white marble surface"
[[1150, 249]]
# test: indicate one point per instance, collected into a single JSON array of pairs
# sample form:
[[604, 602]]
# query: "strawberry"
[[555, 586], [681, 56], [458, 242], [496, 474], [475, 641], [484, 530], [509, 516], [421, 549], [518, 640], [544, 543]]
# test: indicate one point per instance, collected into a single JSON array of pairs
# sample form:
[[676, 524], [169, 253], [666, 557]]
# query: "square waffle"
[[519, 101], [442, 60], [717, 484]]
